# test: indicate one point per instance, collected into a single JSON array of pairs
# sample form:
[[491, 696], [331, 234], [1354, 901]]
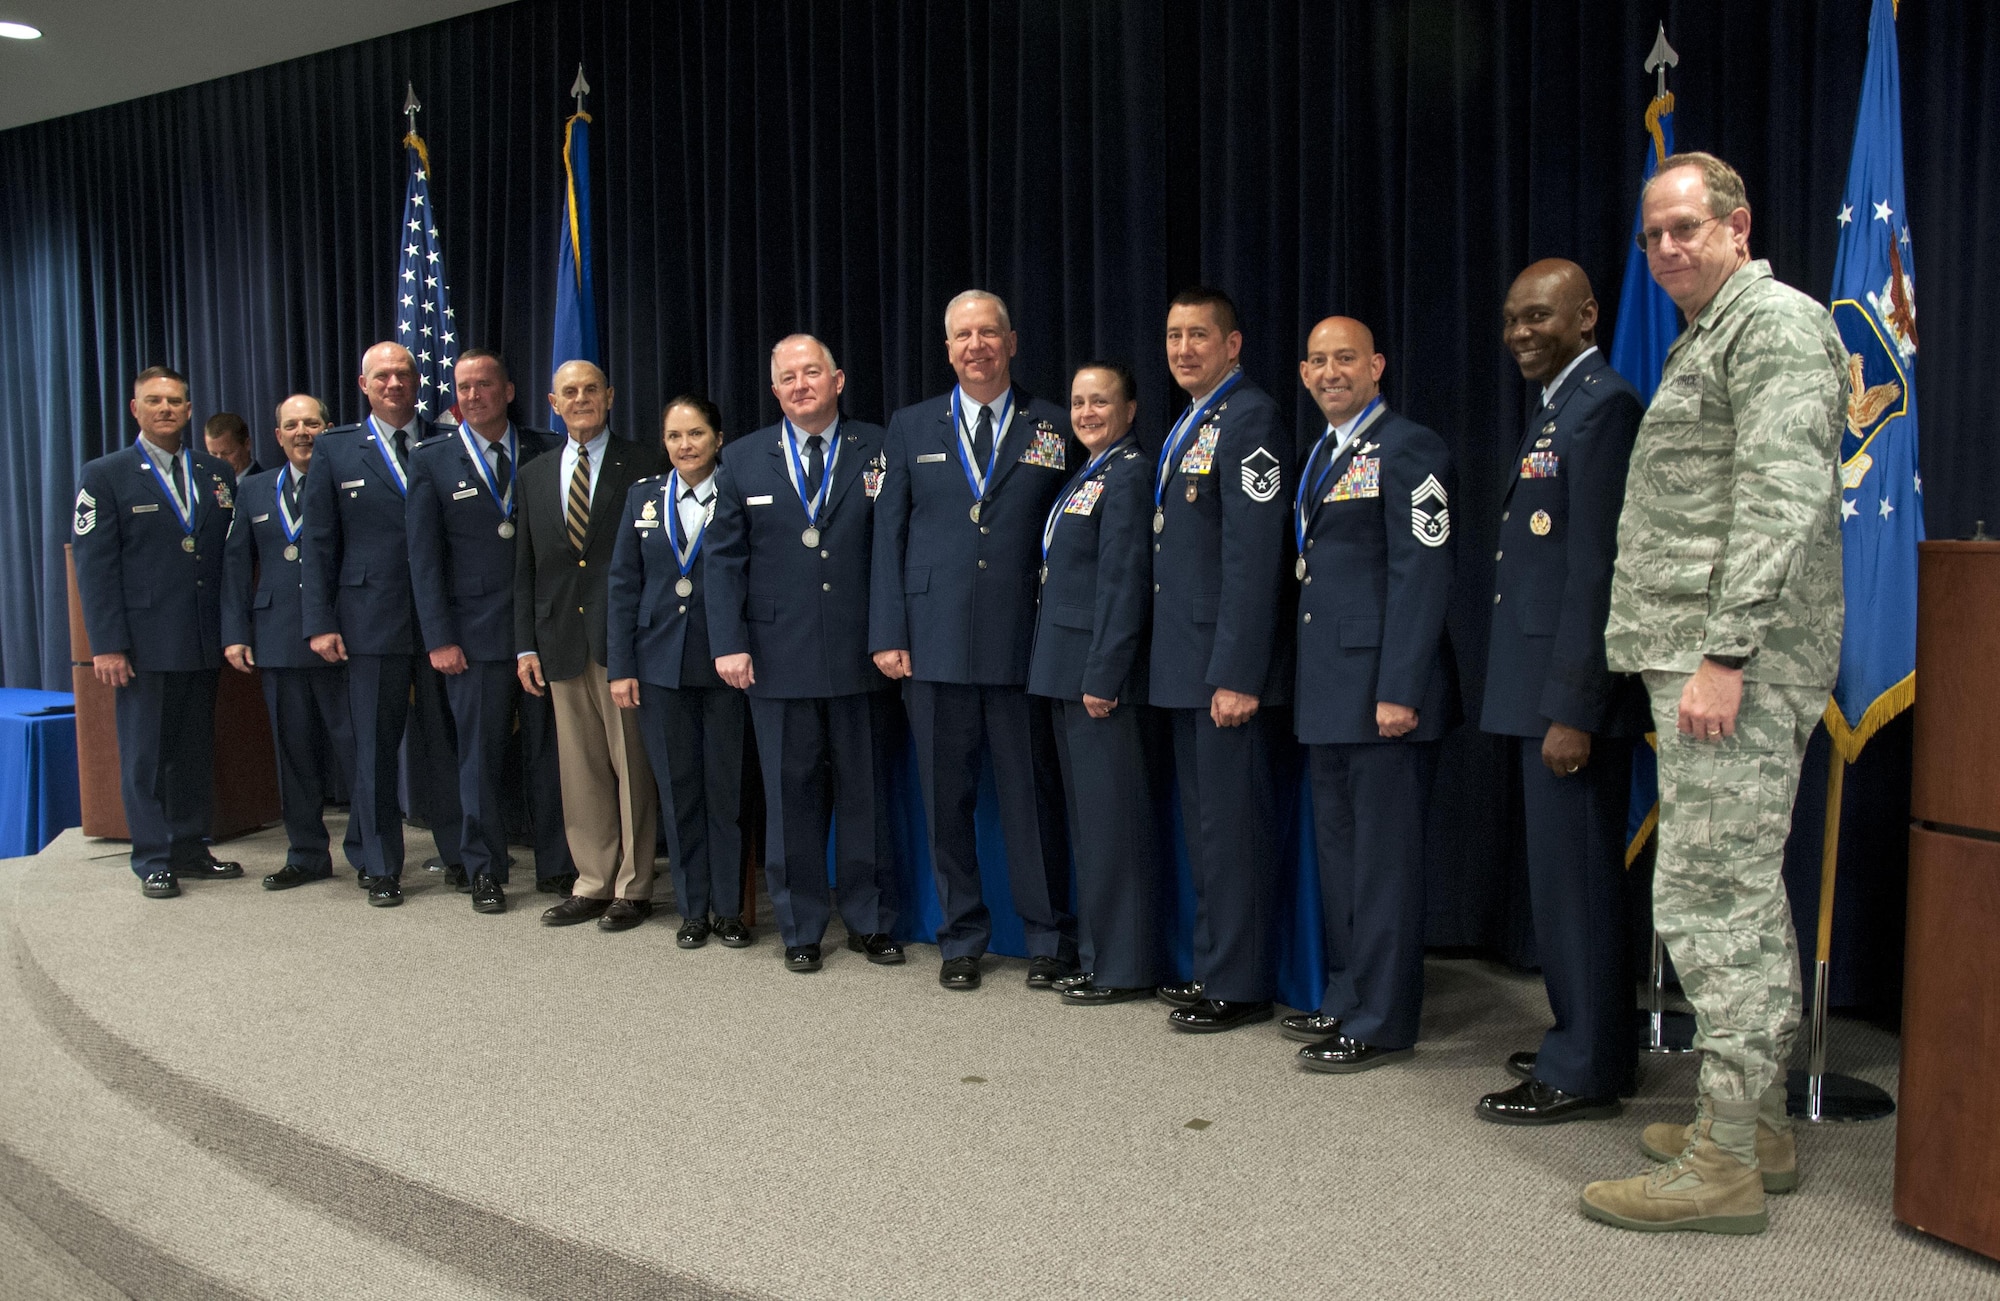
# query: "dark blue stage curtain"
[[845, 167]]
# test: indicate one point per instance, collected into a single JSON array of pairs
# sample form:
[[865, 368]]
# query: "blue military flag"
[[1648, 324], [576, 286], [424, 321], [1874, 306]]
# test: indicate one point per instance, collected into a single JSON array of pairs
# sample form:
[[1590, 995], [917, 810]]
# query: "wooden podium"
[[246, 766], [1947, 1163]]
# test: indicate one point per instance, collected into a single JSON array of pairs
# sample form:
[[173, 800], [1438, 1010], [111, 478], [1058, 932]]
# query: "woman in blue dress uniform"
[[660, 664], [1089, 655]]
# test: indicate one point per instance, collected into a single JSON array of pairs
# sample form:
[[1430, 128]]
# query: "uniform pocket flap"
[[917, 578], [544, 608], [761, 609], [1205, 605], [1074, 616], [261, 601], [1361, 630], [356, 577]]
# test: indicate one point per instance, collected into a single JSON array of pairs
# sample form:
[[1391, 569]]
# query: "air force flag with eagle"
[[424, 322], [1874, 302]]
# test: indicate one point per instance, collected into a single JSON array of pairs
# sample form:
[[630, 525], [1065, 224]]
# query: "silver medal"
[[1159, 519], [187, 544], [975, 512], [292, 551], [810, 537], [685, 587], [506, 528], [1299, 569]]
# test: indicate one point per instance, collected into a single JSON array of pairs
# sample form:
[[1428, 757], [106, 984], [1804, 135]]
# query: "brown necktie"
[[577, 515]]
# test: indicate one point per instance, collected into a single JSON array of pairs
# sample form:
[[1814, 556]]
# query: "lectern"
[[1947, 1163], [246, 767]]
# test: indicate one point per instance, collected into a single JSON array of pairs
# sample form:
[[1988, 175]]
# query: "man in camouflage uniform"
[[1727, 598]]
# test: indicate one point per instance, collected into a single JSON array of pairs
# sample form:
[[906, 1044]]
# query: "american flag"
[[424, 321]]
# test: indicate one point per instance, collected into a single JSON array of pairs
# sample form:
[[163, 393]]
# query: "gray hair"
[[977, 296], [386, 343], [825, 351], [1723, 183]]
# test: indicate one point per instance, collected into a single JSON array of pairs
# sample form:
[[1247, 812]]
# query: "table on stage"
[[38, 782]]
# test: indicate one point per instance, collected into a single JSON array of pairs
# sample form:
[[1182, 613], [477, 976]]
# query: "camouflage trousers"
[[1718, 891]]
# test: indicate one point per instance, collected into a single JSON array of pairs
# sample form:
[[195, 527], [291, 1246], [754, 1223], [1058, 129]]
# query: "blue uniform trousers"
[[826, 766], [951, 722], [482, 711], [430, 748], [1229, 817], [1576, 881], [310, 725], [1121, 878], [166, 767], [1368, 820], [694, 740], [378, 699]]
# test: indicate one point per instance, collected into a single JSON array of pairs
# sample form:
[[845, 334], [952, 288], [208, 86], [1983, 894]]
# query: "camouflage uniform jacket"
[[1729, 543]]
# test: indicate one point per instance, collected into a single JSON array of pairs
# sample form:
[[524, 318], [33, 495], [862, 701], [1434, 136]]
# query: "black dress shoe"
[[881, 949], [959, 973], [1089, 995], [360, 878], [1341, 1055], [562, 883], [802, 958], [454, 876], [209, 870], [1180, 995], [624, 914], [1536, 1103], [1213, 1015], [733, 933], [384, 892], [1521, 1065], [575, 909], [693, 933], [160, 885], [1080, 978], [433, 864], [291, 874], [487, 896], [1309, 1027], [1044, 972]]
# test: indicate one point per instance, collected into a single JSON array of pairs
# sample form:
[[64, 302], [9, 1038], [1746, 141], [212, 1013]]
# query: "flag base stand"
[[1660, 1031], [1818, 1097]]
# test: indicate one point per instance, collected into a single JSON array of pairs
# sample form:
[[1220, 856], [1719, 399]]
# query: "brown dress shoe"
[[624, 914]]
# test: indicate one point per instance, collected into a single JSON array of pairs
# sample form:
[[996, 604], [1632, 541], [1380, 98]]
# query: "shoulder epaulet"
[[1131, 455]]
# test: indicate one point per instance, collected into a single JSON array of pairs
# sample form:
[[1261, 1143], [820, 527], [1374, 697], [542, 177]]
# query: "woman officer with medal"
[[1090, 656], [661, 665]]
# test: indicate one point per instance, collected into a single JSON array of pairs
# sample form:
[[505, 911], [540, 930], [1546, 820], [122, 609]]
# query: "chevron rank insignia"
[[86, 512], [1432, 528], [1261, 475]]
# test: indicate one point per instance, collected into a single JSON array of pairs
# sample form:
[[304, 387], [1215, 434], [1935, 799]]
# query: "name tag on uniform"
[[461, 496], [763, 499], [355, 483], [145, 510], [645, 523], [929, 457], [259, 519]]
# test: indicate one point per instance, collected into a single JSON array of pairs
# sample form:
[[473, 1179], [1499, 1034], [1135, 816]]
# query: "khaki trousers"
[[610, 807]]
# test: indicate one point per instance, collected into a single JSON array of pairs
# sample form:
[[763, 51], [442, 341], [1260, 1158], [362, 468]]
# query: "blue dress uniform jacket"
[[1090, 630], [960, 596], [356, 545], [1378, 573], [461, 569], [654, 634], [267, 619], [801, 613], [1552, 580], [142, 594], [1546, 663]]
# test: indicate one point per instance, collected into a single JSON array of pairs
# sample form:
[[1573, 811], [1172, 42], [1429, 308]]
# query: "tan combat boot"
[[1777, 1154], [1704, 1189]]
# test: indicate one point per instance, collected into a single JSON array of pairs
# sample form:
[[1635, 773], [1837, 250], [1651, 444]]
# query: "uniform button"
[[1156, 546], [1156, 587], [1498, 554], [1309, 580], [579, 609], [1309, 617], [197, 582], [826, 587], [984, 529], [1309, 544], [982, 564], [1504, 514], [1496, 598], [684, 609], [581, 563], [825, 555]]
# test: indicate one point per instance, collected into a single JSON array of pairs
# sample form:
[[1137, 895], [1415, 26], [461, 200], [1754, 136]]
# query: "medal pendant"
[[1191, 490], [1299, 569], [1045, 573], [975, 512], [506, 528], [1159, 519], [292, 551], [685, 587], [810, 537], [187, 544]]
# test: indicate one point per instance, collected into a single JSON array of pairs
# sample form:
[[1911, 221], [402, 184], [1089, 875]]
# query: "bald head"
[[389, 378], [1341, 371], [1550, 316], [582, 397]]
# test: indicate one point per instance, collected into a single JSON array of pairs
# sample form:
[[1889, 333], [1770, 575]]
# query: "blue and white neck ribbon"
[[290, 523], [976, 478], [384, 448], [1184, 428], [795, 468], [685, 548], [1068, 494], [183, 510], [484, 468], [1306, 502]]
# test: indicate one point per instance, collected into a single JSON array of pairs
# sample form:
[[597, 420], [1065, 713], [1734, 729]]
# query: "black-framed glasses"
[[1680, 232]]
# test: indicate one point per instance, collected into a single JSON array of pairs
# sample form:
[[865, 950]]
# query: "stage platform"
[[246, 1094]]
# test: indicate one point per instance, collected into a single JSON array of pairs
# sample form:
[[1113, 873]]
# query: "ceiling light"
[[20, 32]]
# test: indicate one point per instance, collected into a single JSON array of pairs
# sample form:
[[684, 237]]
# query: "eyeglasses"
[[1680, 232]]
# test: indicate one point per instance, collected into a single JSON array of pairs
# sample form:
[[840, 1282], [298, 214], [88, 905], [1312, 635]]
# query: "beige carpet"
[[244, 1094]]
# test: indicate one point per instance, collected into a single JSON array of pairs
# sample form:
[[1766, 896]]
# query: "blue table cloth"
[[38, 782]]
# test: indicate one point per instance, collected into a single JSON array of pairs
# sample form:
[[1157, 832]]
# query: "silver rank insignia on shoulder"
[[1262, 476], [1432, 528]]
